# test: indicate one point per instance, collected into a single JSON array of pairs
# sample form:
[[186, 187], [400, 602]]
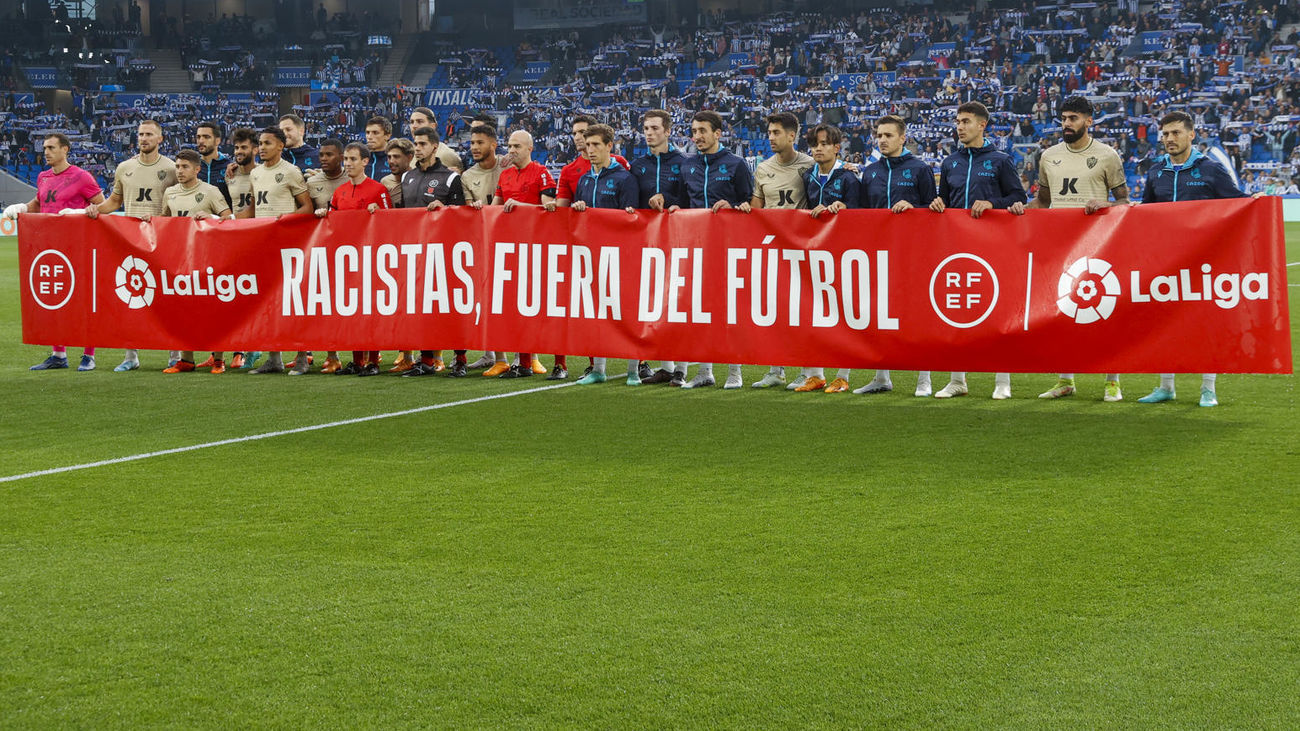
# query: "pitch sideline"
[[283, 432]]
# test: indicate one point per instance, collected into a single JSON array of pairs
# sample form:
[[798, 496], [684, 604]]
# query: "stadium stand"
[[1232, 64]]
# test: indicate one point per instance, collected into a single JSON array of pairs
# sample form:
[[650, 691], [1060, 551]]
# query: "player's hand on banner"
[[720, 205], [435, 205], [92, 211], [1257, 196], [549, 206], [510, 205], [630, 209], [1092, 207], [657, 202], [674, 209], [372, 207], [901, 206], [936, 205], [578, 206], [1017, 208], [978, 208], [322, 212], [476, 205], [12, 211]]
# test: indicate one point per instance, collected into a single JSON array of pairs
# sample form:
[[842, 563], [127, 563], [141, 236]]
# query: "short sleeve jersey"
[[141, 186], [781, 186], [1074, 178], [321, 188], [72, 188], [527, 185], [479, 184], [240, 186], [274, 189], [182, 201], [394, 187], [448, 157]]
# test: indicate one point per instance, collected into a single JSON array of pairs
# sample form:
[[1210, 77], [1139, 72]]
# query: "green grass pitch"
[[611, 558]]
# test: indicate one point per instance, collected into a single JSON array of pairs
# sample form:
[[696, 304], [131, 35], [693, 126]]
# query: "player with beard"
[[207, 140], [432, 186], [478, 182], [1080, 172], [424, 117], [278, 190], [320, 187], [401, 154], [62, 187], [240, 189], [138, 186]]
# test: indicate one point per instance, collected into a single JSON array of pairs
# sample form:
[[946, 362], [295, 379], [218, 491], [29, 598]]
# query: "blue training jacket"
[[303, 157], [1197, 179], [661, 174], [893, 179], [613, 187], [720, 176], [840, 186], [979, 174]]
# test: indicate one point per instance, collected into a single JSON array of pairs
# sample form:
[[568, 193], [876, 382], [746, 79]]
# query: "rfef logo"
[[963, 290], [1087, 290], [51, 279], [135, 283]]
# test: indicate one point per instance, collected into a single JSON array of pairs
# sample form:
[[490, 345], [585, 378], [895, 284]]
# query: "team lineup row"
[[292, 178]]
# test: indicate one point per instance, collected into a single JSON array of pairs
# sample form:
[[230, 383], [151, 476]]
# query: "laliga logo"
[[135, 283], [1087, 290]]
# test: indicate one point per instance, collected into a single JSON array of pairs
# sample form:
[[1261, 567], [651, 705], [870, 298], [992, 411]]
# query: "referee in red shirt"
[[523, 183], [359, 193]]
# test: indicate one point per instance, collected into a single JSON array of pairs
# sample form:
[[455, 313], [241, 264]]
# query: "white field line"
[[281, 433]]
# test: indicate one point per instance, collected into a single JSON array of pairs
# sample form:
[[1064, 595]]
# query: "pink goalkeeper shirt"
[[72, 188]]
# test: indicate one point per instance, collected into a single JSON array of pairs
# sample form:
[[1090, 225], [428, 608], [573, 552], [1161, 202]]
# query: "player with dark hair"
[[1183, 173], [378, 132], [193, 198], [61, 187], [779, 183], [1080, 172], [320, 188], [278, 190], [899, 182], [299, 154], [138, 187], [659, 176], [401, 155], [828, 188], [240, 188], [358, 192], [207, 140], [977, 177], [479, 183], [432, 186], [606, 185], [716, 179], [424, 117]]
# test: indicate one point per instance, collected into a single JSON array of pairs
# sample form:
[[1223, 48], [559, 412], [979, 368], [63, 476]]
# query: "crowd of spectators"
[[1233, 65]]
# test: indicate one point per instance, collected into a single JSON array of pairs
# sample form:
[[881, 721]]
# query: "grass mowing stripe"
[[283, 432]]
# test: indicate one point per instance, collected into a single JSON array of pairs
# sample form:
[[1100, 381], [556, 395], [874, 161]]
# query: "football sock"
[[460, 356], [633, 366], [883, 376], [1066, 376], [667, 365], [815, 373], [1002, 379], [598, 365], [776, 371], [1112, 377], [1208, 379], [60, 351], [562, 361], [1167, 381], [374, 357], [89, 351], [842, 373], [958, 377]]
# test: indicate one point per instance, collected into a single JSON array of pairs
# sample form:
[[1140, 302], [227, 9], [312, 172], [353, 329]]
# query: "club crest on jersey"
[[907, 175], [1196, 173], [609, 183], [722, 170], [988, 164], [198, 198], [1092, 163], [162, 174], [279, 177], [677, 169]]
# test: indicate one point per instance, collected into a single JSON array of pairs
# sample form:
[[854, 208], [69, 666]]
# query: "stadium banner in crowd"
[[1182, 287], [597, 12], [441, 98], [42, 77], [293, 76]]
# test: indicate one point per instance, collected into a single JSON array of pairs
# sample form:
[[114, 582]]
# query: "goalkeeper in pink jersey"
[[64, 187]]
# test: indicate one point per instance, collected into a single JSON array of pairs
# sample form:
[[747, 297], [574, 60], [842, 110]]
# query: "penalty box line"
[[281, 433]]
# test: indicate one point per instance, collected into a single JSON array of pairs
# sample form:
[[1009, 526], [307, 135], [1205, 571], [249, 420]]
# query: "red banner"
[[1184, 287]]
